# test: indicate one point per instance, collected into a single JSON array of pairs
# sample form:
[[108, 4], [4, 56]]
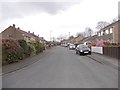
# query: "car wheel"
[[76, 52], [90, 53], [80, 53]]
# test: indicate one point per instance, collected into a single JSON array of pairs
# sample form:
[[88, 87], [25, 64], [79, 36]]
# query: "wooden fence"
[[113, 52]]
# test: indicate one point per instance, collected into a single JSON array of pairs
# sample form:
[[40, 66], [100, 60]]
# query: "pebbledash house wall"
[[116, 32], [11, 33]]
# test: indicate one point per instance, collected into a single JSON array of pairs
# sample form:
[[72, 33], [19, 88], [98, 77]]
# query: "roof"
[[90, 38], [27, 33]]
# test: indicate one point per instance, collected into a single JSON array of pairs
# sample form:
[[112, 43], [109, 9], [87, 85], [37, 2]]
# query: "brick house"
[[74, 40], [90, 39], [78, 40], [16, 33], [110, 33]]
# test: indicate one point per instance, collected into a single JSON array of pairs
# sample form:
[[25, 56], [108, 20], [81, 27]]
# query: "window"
[[111, 30], [106, 32], [28, 38], [98, 34], [102, 33]]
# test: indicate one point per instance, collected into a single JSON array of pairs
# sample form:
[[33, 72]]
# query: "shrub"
[[10, 51], [26, 48], [39, 47], [32, 46], [20, 53], [36, 46]]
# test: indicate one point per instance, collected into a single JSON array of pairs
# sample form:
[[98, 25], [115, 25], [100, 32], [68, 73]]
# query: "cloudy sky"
[[58, 16]]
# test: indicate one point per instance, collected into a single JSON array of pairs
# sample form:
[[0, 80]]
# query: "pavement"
[[60, 67], [112, 62]]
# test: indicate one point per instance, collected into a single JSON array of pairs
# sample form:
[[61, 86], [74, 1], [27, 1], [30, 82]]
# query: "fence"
[[97, 49], [113, 52]]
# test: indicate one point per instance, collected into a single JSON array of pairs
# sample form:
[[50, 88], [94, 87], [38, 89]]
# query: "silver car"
[[71, 46]]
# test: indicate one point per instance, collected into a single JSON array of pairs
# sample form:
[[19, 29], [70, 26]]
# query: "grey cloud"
[[12, 10]]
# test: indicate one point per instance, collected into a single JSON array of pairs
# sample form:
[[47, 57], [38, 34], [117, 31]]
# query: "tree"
[[62, 37], [102, 24], [79, 34], [88, 31], [71, 37]]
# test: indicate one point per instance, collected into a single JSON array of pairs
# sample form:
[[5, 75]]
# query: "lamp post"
[[50, 34]]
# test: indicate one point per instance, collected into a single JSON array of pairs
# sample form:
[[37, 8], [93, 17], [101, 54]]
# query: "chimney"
[[28, 31], [33, 32], [38, 35], [18, 28], [14, 25]]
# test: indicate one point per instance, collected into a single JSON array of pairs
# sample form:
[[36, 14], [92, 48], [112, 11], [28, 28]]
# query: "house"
[[74, 40], [17, 34], [110, 33], [91, 40], [78, 39]]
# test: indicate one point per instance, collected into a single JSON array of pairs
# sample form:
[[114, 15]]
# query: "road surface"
[[62, 68]]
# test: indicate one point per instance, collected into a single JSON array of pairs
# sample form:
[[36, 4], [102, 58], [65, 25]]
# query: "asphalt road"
[[62, 68]]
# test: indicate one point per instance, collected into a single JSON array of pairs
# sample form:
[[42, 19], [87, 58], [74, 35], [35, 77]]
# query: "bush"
[[20, 53], [26, 48], [10, 51], [39, 47], [36, 46], [32, 46], [15, 50]]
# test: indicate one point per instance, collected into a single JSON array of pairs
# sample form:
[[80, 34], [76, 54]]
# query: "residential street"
[[62, 68]]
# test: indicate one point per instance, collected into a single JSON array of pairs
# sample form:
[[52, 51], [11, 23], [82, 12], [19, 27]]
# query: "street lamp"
[[50, 34]]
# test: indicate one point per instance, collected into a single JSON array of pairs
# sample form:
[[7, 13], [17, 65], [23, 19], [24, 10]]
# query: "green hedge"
[[36, 46], [26, 48]]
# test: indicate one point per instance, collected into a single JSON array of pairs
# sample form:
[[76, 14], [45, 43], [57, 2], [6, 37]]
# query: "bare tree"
[[88, 31], [71, 37], [102, 24], [79, 34], [62, 37]]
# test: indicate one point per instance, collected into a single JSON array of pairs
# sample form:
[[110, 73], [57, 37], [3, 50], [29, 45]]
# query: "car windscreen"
[[83, 46]]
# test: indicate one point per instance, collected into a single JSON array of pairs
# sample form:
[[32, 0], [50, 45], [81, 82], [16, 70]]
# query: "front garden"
[[17, 50]]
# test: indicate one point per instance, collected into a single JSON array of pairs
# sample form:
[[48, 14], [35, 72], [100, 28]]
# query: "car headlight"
[[81, 50]]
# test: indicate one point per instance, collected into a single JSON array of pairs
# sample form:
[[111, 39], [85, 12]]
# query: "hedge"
[[16, 50], [11, 51]]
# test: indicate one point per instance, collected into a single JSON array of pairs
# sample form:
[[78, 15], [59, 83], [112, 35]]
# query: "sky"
[[56, 17]]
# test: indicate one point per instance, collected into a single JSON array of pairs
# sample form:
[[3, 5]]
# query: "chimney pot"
[[28, 31], [13, 25]]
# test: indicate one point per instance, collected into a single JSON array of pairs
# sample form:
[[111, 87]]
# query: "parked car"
[[72, 46], [83, 49], [64, 45]]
